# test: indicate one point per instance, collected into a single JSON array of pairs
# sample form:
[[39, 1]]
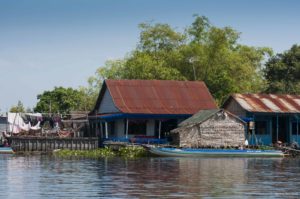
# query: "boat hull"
[[215, 152], [6, 150]]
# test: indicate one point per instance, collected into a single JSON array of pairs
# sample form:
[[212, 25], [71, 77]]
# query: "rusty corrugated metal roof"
[[269, 102], [160, 96]]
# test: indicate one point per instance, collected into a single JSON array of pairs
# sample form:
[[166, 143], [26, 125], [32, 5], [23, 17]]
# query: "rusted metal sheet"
[[269, 102], [160, 96]]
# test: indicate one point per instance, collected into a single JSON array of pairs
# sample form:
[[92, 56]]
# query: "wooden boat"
[[188, 152], [6, 150]]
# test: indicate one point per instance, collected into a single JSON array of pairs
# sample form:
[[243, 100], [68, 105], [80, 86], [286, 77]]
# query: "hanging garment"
[[16, 122], [36, 127], [26, 127]]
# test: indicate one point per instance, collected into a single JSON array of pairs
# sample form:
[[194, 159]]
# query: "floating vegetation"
[[132, 152], [95, 153], [127, 152]]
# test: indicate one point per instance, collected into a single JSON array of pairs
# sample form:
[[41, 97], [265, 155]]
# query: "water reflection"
[[46, 177]]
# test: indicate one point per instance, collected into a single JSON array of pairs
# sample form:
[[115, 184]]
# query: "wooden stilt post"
[[297, 127], [106, 130], [277, 127], [253, 131], [101, 130], [159, 129], [126, 135]]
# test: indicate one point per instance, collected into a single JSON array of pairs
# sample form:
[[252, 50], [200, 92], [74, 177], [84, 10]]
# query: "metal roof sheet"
[[160, 96], [199, 117], [269, 102]]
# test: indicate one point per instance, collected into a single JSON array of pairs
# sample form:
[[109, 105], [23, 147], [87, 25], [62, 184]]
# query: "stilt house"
[[132, 109], [270, 117]]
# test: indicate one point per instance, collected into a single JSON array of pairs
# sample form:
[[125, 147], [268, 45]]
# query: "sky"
[[48, 43]]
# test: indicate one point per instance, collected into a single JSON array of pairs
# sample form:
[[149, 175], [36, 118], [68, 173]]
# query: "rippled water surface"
[[48, 177]]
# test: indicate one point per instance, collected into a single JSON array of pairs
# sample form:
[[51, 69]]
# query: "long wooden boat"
[[215, 152], [6, 150]]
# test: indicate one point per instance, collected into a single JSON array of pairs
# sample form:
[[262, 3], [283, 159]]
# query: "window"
[[294, 128], [261, 127], [137, 127]]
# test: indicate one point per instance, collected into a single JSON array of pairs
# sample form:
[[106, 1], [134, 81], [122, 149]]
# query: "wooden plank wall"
[[44, 144]]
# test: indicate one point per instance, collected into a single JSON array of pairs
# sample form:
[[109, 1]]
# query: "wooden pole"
[[101, 130], [106, 130], [297, 129], [126, 135], [6, 125], [159, 129], [253, 136], [277, 127]]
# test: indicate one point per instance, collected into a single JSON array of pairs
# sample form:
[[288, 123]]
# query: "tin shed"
[[274, 117]]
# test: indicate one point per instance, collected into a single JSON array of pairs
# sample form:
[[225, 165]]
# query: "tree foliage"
[[61, 100], [19, 108], [282, 72], [202, 52]]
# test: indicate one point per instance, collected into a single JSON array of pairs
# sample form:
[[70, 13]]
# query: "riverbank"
[[126, 152]]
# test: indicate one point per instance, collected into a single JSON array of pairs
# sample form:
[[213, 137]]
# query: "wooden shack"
[[214, 128]]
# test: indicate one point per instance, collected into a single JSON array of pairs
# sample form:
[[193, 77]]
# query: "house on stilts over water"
[[271, 118], [146, 110], [214, 128]]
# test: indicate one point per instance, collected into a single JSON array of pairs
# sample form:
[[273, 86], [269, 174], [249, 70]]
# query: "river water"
[[49, 177]]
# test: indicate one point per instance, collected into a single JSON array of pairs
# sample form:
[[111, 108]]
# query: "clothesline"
[[32, 121], [50, 114]]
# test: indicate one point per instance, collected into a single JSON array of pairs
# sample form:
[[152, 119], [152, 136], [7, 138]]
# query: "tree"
[[143, 65], [158, 37], [60, 100], [89, 97], [19, 108], [111, 70], [202, 52], [282, 72]]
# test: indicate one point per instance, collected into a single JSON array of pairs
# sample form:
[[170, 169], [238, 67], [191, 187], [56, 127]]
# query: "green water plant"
[[132, 152], [95, 153], [126, 152]]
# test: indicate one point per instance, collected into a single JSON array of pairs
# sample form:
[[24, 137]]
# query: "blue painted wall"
[[296, 138], [271, 128]]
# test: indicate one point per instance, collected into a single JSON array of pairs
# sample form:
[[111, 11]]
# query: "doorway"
[[283, 131], [166, 127]]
